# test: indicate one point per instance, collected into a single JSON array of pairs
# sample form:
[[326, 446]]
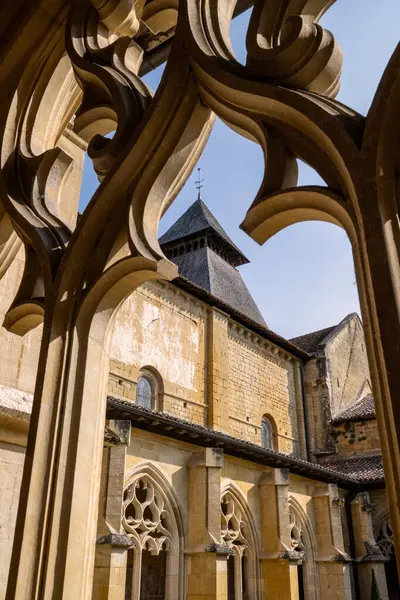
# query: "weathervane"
[[198, 183]]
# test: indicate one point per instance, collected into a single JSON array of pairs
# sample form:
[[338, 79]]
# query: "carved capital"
[[116, 540]]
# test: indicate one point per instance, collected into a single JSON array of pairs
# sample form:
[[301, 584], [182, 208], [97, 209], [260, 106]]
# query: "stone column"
[[333, 562], [369, 558], [207, 557], [217, 370], [279, 561], [112, 544]]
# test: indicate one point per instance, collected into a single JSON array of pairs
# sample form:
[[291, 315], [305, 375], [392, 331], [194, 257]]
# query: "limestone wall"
[[347, 364], [172, 457], [357, 437], [307, 512], [166, 329], [18, 355], [317, 398], [261, 381], [336, 378], [11, 466], [163, 328]]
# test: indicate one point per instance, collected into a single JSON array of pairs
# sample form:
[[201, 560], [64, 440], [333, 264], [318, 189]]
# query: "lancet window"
[[235, 535], [268, 433], [302, 542], [149, 389], [149, 522], [145, 392]]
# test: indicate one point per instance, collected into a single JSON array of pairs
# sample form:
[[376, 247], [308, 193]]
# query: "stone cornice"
[[259, 343], [186, 301]]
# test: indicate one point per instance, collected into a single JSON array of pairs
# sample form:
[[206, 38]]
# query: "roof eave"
[[175, 428]]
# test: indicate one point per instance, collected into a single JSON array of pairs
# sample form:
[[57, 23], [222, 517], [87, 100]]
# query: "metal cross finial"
[[198, 183]]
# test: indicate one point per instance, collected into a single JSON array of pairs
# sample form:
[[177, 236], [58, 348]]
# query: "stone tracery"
[[385, 539], [69, 273], [233, 525], [146, 517], [296, 531]]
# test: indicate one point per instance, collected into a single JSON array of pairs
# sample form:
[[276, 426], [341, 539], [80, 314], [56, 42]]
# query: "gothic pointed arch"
[[239, 533], [384, 536], [152, 519], [383, 532], [303, 539]]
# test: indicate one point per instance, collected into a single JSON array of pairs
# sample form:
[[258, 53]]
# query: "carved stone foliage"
[[146, 518]]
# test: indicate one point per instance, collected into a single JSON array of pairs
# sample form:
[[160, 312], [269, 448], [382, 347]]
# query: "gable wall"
[[161, 327], [347, 365]]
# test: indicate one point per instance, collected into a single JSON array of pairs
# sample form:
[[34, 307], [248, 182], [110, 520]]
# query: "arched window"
[[145, 392], [152, 521], [268, 433], [238, 534], [385, 541], [149, 389], [303, 542]]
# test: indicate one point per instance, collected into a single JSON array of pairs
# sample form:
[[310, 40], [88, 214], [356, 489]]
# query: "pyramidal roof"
[[199, 219], [206, 256]]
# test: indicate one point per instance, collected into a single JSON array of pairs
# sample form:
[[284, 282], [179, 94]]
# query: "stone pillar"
[[112, 544], [279, 561], [369, 558], [207, 557], [217, 370], [333, 562]]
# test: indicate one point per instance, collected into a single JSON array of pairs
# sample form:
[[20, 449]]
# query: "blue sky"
[[303, 278]]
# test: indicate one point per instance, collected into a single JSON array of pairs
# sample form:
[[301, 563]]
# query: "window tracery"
[[234, 535], [146, 518], [296, 532], [149, 520], [232, 523], [385, 539]]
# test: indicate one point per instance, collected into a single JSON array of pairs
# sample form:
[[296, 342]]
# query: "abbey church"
[[237, 465]]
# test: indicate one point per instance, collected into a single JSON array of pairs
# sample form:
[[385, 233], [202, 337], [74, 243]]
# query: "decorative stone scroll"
[[146, 518]]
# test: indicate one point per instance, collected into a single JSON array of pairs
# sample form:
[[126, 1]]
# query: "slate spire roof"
[[206, 256], [198, 220]]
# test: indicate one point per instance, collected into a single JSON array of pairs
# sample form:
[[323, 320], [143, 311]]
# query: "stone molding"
[[116, 540], [189, 304], [259, 343]]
